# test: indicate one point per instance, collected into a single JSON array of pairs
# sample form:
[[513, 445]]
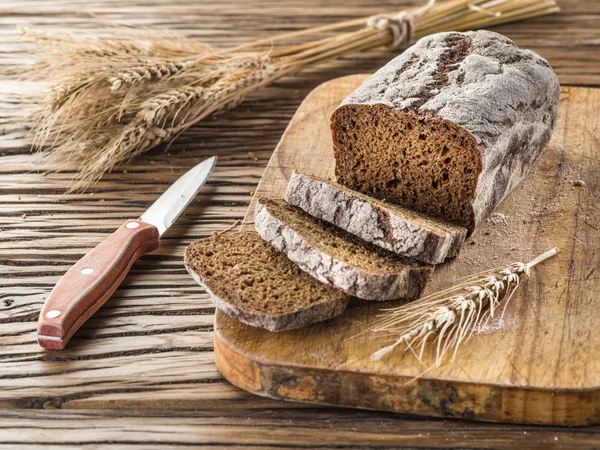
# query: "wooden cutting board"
[[540, 365]]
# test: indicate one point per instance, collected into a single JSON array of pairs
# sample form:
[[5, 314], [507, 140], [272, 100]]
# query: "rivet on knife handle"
[[91, 281]]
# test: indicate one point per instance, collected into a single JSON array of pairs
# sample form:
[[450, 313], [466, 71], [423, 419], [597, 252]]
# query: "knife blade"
[[92, 280]]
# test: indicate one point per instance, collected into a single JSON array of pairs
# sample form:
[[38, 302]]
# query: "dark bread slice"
[[248, 279], [388, 226], [338, 258], [449, 127]]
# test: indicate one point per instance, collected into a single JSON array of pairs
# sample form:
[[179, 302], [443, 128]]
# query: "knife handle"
[[91, 281]]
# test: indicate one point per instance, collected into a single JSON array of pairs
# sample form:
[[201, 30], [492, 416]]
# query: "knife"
[[92, 280]]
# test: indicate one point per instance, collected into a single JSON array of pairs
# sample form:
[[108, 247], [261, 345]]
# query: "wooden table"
[[112, 387]]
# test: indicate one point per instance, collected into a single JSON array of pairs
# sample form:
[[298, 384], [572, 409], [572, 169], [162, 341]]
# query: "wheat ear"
[[448, 318]]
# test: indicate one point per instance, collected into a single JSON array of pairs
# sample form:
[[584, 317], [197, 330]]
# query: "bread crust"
[[404, 234], [408, 283]]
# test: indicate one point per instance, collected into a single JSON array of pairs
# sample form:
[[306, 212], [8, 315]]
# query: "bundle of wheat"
[[112, 99]]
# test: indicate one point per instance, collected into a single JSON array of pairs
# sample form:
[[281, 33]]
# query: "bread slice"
[[338, 258], [449, 127], [248, 279], [388, 226]]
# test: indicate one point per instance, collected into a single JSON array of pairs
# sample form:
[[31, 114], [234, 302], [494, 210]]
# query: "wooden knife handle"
[[91, 281]]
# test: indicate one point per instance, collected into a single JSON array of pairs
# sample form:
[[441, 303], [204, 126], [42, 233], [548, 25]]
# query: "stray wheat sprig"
[[447, 319], [111, 99]]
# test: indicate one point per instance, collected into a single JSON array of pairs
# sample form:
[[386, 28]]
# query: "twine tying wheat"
[[113, 99], [401, 25], [448, 318]]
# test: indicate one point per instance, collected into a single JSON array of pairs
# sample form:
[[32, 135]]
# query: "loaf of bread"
[[338, 258], [388, 226], [449, 127], [248, 279]]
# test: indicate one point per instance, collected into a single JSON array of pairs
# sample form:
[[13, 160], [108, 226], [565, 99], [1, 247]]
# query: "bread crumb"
[[252, 193], [253, 156], [490, 326], [497, 219], [578, 183], [24, 215]]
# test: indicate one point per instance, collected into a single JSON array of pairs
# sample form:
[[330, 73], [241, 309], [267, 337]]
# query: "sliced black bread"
[[388, 226], [449, 127], [338, 258], [248, 279]]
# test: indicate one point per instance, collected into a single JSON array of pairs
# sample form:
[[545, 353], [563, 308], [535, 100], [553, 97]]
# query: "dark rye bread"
[[338, 258], [248, 279], [449, 127], [388, 226]]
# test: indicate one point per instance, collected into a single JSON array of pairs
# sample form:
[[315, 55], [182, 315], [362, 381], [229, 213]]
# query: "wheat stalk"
[[112, 99], [448, 318]]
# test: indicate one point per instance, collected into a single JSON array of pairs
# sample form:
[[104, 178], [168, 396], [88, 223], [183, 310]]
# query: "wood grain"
[[150, 346], [289, 428], [537, 365]]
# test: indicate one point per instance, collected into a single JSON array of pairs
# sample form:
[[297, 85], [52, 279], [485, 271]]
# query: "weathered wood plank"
[[159, 312], [289, 428]]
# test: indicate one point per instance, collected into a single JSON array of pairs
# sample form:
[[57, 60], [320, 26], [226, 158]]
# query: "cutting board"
[[540, 364]]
